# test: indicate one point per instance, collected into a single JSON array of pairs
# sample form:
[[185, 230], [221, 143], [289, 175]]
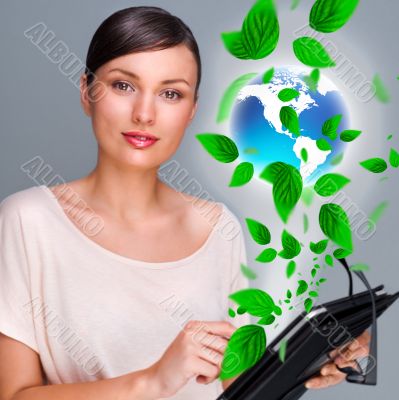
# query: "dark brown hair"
[[137, 29]]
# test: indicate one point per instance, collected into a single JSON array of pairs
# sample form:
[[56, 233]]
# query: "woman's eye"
[[122, 86], [172, 95]]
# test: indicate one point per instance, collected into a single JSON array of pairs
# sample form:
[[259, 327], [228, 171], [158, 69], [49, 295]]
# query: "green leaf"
[[291, 246], [267, 255], [241, 310], [376, 214], [230, 95], [271, 171], [323, 145], [277, 310], [258, 231], [329, 260], [290, 270], [287, 186], [282, 350], [248, 272], [375, 165], [307, 196], [329, 184], [232, 313], [260, 30], [289, 294], [381, 91], [341, 253], [308, 304], [242, 174], [319, 247], [295, 4], [302, 287], [394, 158], [234, 45], [312, 80], [349, 135], [389, 137], [268, 76], [322, 280], [313, 272], [251, 150], [330, 126], [255, 301], [331, 15], [337, 159], [312, 53], [288, 94], [304, 155], [359, 267], [220, 147], [335, 225], [287, 189], [315, 75], [290, 120], [313, 294], [247, 345], [268, 320], [305, 223]]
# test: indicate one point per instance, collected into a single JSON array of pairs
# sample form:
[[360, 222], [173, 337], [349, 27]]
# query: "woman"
[[135, 309]]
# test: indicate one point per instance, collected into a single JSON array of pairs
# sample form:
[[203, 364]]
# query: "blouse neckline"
[[127, 260]]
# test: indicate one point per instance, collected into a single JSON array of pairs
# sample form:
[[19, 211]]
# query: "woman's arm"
[[21, 379]]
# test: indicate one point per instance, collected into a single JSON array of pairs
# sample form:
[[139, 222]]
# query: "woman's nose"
[[144, 109]]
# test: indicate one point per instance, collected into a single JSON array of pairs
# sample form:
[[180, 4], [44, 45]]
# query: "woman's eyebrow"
[[133, 75]]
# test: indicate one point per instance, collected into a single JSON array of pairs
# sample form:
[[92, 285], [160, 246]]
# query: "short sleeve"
[[16, 319], [238, 280]]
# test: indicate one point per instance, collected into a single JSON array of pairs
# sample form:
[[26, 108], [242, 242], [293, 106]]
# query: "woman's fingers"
[[348, 355], [222, 328], [322, 382], [329, 375], [208, 372], [351, 351], [211, 356], [214, 342]]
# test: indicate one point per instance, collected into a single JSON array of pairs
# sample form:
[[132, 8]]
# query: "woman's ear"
[[84, 95]]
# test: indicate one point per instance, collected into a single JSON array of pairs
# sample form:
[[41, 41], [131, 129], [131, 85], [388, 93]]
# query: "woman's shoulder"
[[24, 201]]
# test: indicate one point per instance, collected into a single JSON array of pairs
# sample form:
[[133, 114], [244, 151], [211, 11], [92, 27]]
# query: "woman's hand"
[[196, 351], [343, 357]]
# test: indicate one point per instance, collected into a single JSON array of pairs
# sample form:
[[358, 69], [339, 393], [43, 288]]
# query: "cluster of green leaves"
[[257, 39], [378, 165], [330, 130], [223, 149], [249, 341], [325, 16]]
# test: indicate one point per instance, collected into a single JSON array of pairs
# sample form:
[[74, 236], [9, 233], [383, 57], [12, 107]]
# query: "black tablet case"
[[310, 338]]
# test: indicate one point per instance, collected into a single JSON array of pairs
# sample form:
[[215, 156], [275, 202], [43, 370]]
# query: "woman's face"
[[148, 91]]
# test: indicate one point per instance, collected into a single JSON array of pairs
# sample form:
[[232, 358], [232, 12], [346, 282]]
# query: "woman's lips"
[[142, 144]]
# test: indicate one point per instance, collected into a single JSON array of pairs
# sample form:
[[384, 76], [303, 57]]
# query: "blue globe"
[[262, 139]]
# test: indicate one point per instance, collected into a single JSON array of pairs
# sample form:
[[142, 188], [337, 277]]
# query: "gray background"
[[41, 116]]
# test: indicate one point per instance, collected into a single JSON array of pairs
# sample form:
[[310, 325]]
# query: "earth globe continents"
[[262, 139]]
